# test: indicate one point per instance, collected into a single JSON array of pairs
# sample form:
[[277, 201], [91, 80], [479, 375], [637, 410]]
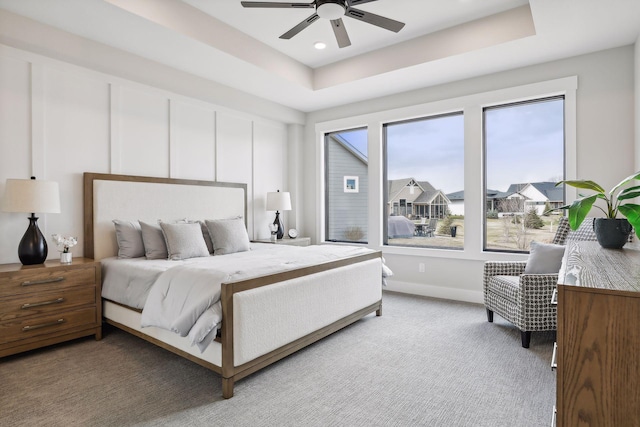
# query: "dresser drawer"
[[45, 279], [35, 304], [24, 328]]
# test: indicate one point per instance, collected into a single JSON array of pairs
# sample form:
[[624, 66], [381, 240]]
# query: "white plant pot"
[[66, 257]]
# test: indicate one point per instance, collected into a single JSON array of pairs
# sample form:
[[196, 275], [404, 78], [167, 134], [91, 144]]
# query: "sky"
[[525, 143]]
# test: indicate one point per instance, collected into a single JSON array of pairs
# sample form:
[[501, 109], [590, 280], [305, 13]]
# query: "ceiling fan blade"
[[352, 3], [373, 19], [341, 33], [301, 26], [279, 5]]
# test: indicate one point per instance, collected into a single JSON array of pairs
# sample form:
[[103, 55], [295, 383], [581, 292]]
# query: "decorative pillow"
[[228, 235], [154, 243], [205, 234], [129, 237], [544, 258], [184, 241]]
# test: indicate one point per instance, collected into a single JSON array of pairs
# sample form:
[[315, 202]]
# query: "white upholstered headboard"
[[108, 197]]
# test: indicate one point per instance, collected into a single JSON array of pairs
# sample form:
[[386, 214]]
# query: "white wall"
[[604, 153], [58, 120]]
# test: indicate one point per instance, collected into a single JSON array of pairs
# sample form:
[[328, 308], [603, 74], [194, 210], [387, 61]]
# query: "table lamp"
[[277, 201], [31, 196]]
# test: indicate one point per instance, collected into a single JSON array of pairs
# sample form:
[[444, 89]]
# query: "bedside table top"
[[298, 241], [77, 261]]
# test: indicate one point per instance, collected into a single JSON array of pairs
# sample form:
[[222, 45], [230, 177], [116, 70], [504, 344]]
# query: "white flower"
[[64, 243]]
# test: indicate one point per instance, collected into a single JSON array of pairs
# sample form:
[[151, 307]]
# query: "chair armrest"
[[538, 287], [502, 268], [534, 301]]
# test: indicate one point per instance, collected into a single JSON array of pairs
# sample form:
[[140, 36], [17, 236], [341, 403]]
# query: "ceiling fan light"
[[330, 11], [320, 45]]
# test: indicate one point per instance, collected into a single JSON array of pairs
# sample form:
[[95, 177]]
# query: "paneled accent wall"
[[58, 120]]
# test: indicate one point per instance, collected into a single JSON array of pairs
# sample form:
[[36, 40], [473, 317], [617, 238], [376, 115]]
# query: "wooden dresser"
[[598, 354], [48, 303]]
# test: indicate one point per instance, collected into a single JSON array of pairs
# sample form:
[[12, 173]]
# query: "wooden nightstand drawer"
[[40, 303], [45, 279], [45, 325], [48, 303]]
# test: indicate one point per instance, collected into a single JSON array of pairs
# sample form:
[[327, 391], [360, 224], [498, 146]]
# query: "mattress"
[[128, 281]]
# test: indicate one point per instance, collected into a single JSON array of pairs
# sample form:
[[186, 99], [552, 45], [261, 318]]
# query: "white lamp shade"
[[280, 201], [31, 195]]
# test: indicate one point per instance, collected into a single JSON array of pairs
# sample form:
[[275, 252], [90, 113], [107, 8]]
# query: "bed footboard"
[[268, 318]]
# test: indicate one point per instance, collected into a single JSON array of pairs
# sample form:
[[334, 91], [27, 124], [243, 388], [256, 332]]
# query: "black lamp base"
[[33, 246], [280, 232]]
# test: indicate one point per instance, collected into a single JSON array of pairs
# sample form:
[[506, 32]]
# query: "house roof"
[[350, 148], [547, 188]]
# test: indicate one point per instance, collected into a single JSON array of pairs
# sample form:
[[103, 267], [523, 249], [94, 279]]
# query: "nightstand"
[[298, 241], [48, 303]]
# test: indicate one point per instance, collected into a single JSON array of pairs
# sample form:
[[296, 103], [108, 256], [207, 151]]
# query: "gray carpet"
[[425, 362]]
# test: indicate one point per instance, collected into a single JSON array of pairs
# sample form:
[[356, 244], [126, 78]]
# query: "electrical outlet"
[[421, 267]]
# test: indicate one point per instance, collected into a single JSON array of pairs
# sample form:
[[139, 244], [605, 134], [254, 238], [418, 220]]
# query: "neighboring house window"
[[524, 159], [424, 161], [351, 184], [346, 186]]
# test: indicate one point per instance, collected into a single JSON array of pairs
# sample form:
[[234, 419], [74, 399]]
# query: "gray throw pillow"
[[544, 258], [228, 235], [129, 238], [184, 241], [154, 243]]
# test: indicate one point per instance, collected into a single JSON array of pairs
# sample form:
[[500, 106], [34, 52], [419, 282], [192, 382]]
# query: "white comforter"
[[183, 296]]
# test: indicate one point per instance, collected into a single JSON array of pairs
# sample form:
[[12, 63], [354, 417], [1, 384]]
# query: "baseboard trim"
[[435, 291]]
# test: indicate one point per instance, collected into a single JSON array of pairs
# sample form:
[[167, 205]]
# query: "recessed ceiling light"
[[319, 45]]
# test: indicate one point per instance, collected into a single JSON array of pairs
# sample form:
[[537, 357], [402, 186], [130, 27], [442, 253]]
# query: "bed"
[[265, 317]]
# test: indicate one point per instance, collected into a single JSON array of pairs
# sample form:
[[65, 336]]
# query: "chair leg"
[[489, 316], [526, 338]]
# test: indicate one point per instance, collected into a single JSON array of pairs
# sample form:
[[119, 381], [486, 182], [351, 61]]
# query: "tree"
[[532, 219]]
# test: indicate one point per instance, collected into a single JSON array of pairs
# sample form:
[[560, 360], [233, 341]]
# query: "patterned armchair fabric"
[[525, 299]]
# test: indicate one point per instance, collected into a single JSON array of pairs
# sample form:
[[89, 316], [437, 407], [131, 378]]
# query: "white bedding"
[[192, 308]]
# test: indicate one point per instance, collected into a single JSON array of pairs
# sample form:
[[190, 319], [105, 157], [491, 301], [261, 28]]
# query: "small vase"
[[66, 257]]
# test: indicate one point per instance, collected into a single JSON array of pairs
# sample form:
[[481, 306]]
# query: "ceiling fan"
[[332, 10]]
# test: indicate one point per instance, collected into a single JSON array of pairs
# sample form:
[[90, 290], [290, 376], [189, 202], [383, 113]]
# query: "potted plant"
[[612, 232]]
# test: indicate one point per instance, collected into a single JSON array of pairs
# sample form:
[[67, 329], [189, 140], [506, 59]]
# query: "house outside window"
[[524, 159], [346, 186], [424, 160]]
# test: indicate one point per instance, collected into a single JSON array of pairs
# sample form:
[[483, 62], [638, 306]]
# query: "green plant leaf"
[[584, 184], [632, 213], [629, 193], [579, 209], [636, 175]]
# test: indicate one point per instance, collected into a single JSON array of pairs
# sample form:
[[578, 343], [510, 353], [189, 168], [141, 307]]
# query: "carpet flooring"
[[425, 362]]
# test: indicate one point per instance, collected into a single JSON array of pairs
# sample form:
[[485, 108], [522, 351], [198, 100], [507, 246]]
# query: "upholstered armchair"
[[525, 299]]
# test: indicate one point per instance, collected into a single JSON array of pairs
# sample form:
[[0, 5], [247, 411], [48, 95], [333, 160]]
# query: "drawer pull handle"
[[38, 304], [44, 325], [554, 363], [554, 297], [42, 282]]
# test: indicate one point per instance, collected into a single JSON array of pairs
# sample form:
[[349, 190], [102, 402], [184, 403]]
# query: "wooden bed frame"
[[228, 370]]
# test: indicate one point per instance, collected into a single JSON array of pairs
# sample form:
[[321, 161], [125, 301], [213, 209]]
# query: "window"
[[424, 164], [524, 159], [346, 186]]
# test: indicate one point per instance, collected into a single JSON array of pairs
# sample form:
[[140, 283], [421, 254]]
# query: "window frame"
[[471, 105], [484, 164]]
